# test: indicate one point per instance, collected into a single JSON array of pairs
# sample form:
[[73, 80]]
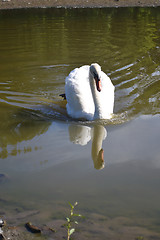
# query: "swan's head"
[[95, 71], [99, 160]]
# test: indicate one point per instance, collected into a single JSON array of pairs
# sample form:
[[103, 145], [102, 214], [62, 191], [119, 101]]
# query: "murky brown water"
[[49, 159]]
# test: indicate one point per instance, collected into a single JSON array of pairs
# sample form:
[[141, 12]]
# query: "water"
[[49, 159]]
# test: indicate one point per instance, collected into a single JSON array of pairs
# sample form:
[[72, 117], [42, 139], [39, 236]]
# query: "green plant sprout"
[[71, 220]]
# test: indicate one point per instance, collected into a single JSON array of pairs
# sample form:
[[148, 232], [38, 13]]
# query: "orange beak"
[[98, 84]]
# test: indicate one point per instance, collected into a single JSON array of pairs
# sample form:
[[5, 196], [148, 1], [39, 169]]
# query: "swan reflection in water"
[[80, 134]]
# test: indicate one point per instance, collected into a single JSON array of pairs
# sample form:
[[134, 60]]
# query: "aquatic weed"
[[70, 220]]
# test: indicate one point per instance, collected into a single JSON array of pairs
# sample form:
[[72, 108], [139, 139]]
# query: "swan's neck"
[[96, 99], [99, 134]]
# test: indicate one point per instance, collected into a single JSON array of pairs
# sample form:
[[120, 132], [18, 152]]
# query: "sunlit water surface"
[[48, 159]]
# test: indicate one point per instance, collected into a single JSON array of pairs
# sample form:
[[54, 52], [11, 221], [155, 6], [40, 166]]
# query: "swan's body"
[[89, 93]]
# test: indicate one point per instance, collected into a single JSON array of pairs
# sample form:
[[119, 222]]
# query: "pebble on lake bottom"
[[32, 228]]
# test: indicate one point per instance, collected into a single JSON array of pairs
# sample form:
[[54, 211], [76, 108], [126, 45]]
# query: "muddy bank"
[[94, 226], [11, 4]]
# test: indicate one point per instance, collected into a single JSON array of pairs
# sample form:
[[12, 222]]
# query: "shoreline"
[[18, 4]]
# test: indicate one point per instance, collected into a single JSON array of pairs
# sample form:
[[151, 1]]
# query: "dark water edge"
[[21, 4]]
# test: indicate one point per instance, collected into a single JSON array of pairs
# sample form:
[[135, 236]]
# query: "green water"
[[50, 159]]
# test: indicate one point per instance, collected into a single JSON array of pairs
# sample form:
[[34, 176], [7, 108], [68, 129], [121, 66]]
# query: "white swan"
[[89, 93]]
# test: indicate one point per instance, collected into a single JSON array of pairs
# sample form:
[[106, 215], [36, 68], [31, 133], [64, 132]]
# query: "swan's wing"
[[79, 134], [78, 94], [106, 95], [106, 82]]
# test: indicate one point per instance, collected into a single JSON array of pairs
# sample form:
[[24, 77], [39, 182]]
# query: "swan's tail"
[[63, 95]]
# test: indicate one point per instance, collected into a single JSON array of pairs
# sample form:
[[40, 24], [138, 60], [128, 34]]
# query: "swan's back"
[[78, 94]]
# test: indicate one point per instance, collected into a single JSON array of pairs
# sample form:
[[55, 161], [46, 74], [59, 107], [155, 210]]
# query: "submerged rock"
[[2, 237], [2, 223], [32, 228]]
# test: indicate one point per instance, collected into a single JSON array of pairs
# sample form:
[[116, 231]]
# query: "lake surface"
[[48, 159]]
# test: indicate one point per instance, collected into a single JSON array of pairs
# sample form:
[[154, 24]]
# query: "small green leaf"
[[70, 205], [72, 231], [68, 220], [77, 215], [75, 222]]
